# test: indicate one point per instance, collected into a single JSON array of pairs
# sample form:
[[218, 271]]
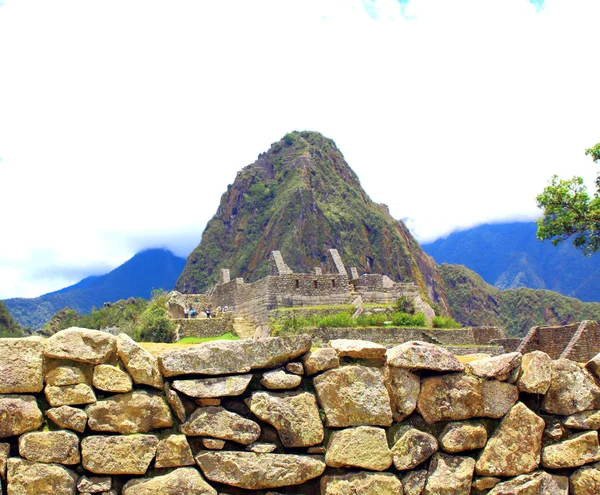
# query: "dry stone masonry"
[[85, 412]]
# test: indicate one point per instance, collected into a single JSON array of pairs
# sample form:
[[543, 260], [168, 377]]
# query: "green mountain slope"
[[474, 302], [8, 326], [302, 198]]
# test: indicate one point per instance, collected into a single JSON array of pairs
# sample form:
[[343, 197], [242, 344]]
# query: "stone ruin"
[[87, 412]]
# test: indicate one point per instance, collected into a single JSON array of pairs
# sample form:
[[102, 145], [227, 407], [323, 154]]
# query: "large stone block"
[[61, 447], [572, 390], [68, 417], [218, 422], [70, 395], [571, 453], [412, 448], [82, 345], [449, 475], [141, 365], [358, 349], [538, 483], [111, 379], [19, 414], [403, 387], [32, 478], [417, 355], [536, 373], [118, 454], [496, 368], [460, 436], [586, 480], [174, 451], [182, 481], [363, 483], [363, 447], [354, 396], [21, 365], [207, 388], [322, 359]]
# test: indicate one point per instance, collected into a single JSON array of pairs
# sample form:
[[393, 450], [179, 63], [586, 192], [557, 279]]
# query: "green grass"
[[316, 308], [200, 340]]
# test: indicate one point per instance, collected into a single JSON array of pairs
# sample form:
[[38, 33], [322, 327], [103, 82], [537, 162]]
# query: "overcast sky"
[[123, 121]]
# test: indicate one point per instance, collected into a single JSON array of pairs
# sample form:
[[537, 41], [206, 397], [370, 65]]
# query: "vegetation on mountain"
[[8, 325], [569, 212], [474, 302], [509, 256], [138, 277], [302, 198]]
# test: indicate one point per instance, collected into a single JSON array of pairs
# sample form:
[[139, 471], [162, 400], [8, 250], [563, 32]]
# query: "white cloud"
[[122, 123]]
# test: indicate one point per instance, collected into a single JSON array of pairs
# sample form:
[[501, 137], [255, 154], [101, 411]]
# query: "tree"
[[569, 211]]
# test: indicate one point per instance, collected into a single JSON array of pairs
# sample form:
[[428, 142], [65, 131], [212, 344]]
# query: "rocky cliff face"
[[302, 198]]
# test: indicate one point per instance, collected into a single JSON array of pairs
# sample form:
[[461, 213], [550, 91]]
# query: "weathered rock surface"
[[68, 417], [484, 484], [173, 451], [412, 448], [94, 484], [135, 412], [61, 447], [206, 388], [19, 414], [497, 367], [538, 483], [4, 451], [295, 368], [418, 355], [70, 395], [536, 373], [261, 448], [450, 397], [586, 420], [21, 365], [82, 345], [61, 375], [363, 482], [295, 416], [461, 436], [141, 365], [280, 380], [572, 390], [213, 443], [259, 471], [516, 445], [32, 478], [322, 359], [183, 481], [586, 480], [118, 454], [403, 387], [233, 356], [361, 447], [111, 379], [354, 396], [358, 349], [175, 402], [414, 482], [218, 422], [574, 452], [449, 475], [498, 398]]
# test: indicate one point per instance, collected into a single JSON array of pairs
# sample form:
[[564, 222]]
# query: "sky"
[[123, 122]]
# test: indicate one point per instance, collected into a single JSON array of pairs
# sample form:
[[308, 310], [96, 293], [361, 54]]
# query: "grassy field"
[[156, 348]]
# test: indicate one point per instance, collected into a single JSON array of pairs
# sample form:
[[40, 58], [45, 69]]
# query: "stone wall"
[[87, 412], [204, 327]]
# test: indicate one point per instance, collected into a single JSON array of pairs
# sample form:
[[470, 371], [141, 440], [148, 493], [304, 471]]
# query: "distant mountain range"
[[509, 256], [137, 277]]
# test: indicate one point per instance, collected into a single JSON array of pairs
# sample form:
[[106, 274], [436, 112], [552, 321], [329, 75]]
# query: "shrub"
[[154, 324], [405, 305], [444, 322]]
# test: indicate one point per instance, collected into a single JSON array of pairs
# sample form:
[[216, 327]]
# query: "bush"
[[405, 305], [445, 322], [154, 324]]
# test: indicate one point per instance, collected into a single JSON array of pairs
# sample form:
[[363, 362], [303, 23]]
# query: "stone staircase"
[[243, 328]]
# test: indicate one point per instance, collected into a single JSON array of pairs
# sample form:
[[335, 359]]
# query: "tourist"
[[185, 312], [207, 311], [192, 312]]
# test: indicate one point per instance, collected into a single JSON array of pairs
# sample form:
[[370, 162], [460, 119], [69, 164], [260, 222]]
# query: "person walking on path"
[[207, 311]]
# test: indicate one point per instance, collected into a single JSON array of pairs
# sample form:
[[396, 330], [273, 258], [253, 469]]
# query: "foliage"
[[155, 324], [8, 325], [569, 211], [200, 340], [444, 322], [405, 305]]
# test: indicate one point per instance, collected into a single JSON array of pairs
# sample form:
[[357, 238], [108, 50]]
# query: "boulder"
[[536, 373], [176, 403], [571, 453], [586, 420], [412, 448], [61, 447], [118, 454], [414, 482], [233, 356], [572, 390], [173, 451], [322, 359], [135, 412], [81, 345], [484, 484], [586, 480], [68, 417], [213, 443], [354, 396], [418, 355], [362, 482], [516, 445], [67, 373], [403, 387], [4, 451], [450, 398], [460, 436], [449, 475], [593, 365], [206, 388], [182, 481], [19, 414], [358, 349], [538, 483], [22, 365], [496, 368], [111, 379], [295, 368], [259, 471], [295, 416], [280, 380], [363, 447], [498, 398], [70, 395], [94, 484], [141, 365], [218, 422], [33, 478]]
